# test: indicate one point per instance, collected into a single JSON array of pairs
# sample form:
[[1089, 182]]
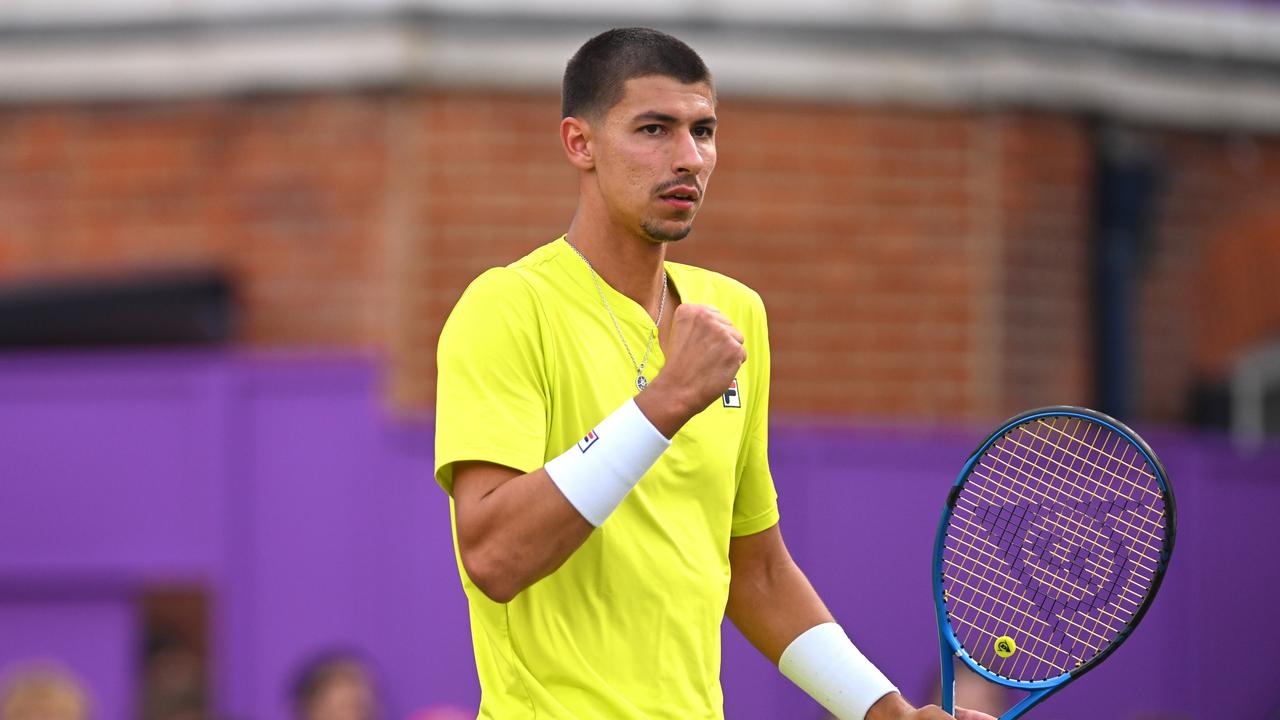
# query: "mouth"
[[683, 197]]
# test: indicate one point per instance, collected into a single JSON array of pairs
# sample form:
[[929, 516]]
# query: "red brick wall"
[[916, 264], [489, 185], [286, 192], [856, 226], [1044, 224]]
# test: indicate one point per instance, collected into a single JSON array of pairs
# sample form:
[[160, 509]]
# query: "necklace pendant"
[[641, 383]]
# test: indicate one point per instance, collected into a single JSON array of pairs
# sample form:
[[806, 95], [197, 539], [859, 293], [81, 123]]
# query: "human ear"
[[575, 138]]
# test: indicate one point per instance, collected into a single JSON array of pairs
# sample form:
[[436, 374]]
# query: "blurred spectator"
[[336, 685], [174, 681], [44, 692]]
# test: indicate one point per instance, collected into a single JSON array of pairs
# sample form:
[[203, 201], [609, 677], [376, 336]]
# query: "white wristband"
[[597, 473], [825, 664]]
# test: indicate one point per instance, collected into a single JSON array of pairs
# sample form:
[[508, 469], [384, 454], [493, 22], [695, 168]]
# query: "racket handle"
[[948, 685]]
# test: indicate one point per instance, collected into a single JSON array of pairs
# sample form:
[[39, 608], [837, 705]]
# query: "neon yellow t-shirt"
[[629, 625]]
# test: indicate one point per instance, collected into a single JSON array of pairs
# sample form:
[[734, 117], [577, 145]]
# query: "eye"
[[703, 131], [652, 129]]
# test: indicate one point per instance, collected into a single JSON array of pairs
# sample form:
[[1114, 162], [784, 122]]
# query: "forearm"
[[774, 605]]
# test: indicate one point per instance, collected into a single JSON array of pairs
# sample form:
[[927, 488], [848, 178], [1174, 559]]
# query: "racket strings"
[[993, 609], [1040, 497], [1004, 560], [1107, 473], [1034, 626], [1058, 587], [1080, 494], [1054, 540], [1072, 533], [1076, 532]]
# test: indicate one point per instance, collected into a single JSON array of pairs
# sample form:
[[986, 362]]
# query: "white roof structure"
[[1198, 65]]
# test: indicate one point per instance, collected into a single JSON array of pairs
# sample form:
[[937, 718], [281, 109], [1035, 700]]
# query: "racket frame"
[[949, 645]]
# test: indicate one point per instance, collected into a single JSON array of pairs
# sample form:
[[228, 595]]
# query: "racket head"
[[1056, 536]]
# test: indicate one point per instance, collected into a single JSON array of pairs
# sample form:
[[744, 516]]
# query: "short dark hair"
[[596, 74], [318, 671]]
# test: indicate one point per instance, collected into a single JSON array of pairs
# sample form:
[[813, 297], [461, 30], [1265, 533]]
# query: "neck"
[[630, 264]]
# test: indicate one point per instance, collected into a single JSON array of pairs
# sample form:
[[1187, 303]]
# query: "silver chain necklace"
[[641, 382]]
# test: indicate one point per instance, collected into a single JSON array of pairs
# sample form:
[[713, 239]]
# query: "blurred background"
[[230, 232]]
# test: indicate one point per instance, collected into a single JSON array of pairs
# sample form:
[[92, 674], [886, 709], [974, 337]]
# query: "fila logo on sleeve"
[[585, 443], [732, 398]]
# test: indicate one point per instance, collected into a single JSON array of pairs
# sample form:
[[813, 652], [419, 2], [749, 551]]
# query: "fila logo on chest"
[[732, 397]]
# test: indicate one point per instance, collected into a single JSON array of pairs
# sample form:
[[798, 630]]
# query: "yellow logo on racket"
[[1005, 646]]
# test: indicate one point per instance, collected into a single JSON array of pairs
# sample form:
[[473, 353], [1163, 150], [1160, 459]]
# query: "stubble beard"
[[657, 233]]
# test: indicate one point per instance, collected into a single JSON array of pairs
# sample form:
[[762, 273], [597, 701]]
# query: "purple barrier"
[[313, 520], [272, 481], [83, 624]]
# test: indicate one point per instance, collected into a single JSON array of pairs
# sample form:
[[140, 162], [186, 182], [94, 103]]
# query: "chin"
[[666, 232]]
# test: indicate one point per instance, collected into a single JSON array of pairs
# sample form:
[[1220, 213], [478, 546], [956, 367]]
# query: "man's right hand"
[[703, 354]]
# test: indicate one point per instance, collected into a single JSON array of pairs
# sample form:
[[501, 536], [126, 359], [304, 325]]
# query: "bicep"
[[473, 481], [755, 558]]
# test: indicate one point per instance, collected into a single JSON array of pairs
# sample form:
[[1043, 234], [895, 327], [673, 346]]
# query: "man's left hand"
[[894, 707]]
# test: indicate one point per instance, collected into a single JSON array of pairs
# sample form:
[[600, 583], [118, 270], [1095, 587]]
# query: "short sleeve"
[[755, 507], [491, 393]]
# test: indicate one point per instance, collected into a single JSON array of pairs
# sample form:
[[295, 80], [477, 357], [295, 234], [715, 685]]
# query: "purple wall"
[[311, 516], [273, 481]]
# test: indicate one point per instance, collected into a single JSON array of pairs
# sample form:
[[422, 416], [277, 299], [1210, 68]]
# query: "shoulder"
[[524, 280], [510, 286], [498, 308], [498, 282], [496, 292]]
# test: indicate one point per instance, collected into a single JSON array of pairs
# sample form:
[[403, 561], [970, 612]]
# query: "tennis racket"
[[1052, 545]]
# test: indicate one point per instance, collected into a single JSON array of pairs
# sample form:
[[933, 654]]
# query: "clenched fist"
[[703, 354]]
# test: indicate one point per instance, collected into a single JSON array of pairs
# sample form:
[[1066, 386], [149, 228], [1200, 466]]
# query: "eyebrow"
[[656, 116]]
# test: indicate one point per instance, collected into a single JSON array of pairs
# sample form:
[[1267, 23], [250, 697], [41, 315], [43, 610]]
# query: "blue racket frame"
[[949, 645]]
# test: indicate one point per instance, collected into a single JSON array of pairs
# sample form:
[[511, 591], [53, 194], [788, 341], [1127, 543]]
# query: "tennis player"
[[602, 424]]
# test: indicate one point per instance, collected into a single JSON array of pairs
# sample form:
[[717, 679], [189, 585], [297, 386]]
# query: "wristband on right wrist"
[[596, 474]]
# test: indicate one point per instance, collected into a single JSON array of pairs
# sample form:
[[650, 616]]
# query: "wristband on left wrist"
[[825, 664]]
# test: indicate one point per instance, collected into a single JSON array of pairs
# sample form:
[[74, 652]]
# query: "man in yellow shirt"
[[602, 427]]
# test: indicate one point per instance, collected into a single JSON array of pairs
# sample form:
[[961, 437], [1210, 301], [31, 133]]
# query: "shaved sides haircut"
[[595, 76]]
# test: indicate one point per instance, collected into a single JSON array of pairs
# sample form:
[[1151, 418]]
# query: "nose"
[[687, 155]]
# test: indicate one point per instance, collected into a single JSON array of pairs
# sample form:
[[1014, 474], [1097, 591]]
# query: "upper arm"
[[472, 482], [491, 398], [759, 554]]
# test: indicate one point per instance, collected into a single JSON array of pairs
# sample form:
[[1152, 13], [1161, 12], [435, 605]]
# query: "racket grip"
[[948, 680]]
